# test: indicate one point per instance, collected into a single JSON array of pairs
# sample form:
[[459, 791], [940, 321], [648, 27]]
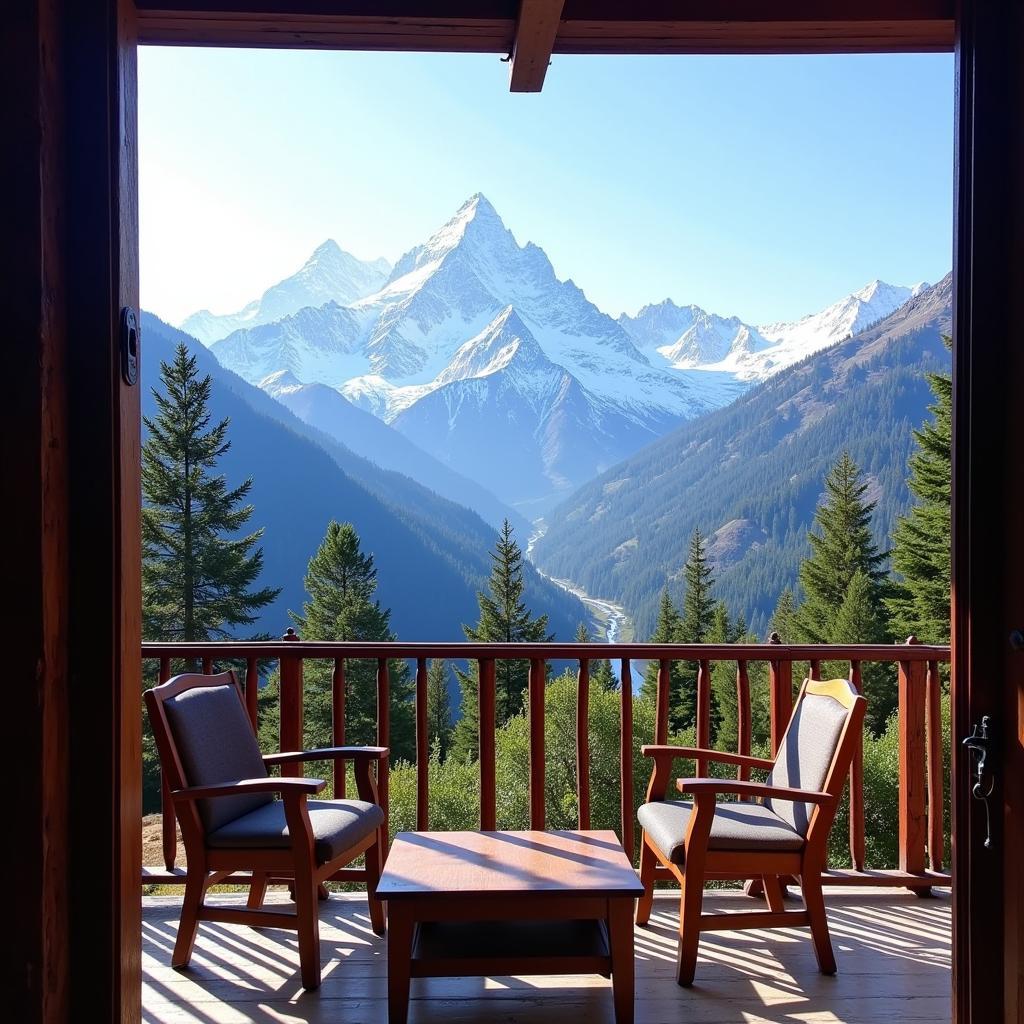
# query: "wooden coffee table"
[[501, 903]]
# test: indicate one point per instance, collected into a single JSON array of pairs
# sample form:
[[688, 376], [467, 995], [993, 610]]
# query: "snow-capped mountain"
[[526, 425], [471, 303], [329, 411], [475, 349], [688, 337], [712, 339], [329, 275]]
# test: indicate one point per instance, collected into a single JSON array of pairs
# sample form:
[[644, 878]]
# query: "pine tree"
[[665, 632], [341, 582], [698, 604], [842, 547], [919, 604], [783, 620], [439, 708], [857, 622], [600, 669], [198, 575], [504, 618]]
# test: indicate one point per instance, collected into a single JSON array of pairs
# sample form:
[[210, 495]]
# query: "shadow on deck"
[[893, 951]]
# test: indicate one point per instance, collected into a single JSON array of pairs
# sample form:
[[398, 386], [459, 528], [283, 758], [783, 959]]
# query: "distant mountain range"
[[750, 475], [477, 352], [432, 555], [329, 275]]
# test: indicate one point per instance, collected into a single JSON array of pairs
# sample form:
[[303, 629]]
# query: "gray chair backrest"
[[806, 753], [216, 744]]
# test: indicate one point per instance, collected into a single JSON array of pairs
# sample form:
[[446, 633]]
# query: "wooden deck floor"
[[893, 951]]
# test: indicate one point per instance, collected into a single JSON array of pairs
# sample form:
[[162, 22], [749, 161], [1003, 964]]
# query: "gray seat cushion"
[[216, 743], [806, 754], [337, 825], [736, 826]]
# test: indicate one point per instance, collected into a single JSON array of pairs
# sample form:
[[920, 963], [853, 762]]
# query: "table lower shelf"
[[457, 949]]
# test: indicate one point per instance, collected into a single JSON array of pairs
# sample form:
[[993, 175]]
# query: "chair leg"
[[814, 901], [188, 925], [257, 890], [691, 902], [309, 932], [648, 862], [373, 857], [773, 893]]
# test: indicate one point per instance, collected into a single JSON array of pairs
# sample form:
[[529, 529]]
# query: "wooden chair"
[[783, 835], [230, 821]]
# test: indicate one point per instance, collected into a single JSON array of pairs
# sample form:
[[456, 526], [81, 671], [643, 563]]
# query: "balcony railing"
[[920, 810]]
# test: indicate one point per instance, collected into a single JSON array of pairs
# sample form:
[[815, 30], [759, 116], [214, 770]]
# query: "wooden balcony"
[[893, 948]]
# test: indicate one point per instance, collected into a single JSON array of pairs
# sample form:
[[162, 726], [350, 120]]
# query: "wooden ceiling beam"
[[533, 29], [536, 29]]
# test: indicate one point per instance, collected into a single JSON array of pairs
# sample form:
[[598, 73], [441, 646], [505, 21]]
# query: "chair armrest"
[[286, 787], [659, 752], [713, 787], [328, 754]]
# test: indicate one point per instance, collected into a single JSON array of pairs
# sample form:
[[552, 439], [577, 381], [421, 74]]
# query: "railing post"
[[486, 729], [537, 674], [743, 719], [291, 703], [912, 761], [252, 691], [168, 820], [781, 696], [857, 843], [383, 734], [422, 749], [626, 809], [703, 713], [936, 809], [338, 723], [583, 744], [661, 704]]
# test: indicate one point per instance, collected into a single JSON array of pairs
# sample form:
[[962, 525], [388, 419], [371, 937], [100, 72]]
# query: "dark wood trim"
[[105, 498], [586, 26], [35, 430], [988, 598]]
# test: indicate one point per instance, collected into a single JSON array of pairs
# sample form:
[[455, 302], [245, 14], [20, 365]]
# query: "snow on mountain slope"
[[710, 339], [329, 275], [689, 338], [361, 432], [850, 315], [517, 422], [317, 344], [659, 324]]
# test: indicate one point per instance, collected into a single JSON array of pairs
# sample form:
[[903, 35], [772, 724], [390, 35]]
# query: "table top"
[[422, 864]]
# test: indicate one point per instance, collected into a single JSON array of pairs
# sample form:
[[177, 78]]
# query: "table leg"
[[400, 930], [620, 938]]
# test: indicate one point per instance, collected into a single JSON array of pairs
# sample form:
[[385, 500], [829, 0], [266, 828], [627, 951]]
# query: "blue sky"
[[762, 187]]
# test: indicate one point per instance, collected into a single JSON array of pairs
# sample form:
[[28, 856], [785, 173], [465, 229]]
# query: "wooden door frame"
[[72, 428], [988, 602]]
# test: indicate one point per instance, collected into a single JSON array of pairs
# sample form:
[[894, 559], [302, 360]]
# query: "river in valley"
[[614, 625]]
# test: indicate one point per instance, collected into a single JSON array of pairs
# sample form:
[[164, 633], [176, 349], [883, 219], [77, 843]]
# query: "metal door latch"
[[980, 743]]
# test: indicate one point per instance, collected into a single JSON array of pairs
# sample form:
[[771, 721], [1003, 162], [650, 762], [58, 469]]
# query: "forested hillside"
[[750, 475], [431, 554]]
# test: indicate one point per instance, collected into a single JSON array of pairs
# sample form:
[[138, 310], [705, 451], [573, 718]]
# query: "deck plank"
[[893, 950]]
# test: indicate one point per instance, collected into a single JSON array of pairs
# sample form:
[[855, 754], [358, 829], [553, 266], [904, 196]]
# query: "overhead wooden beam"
[[536, 28], [578, 26]]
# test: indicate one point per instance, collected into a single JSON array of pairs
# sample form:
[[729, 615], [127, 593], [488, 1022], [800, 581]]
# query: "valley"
[[469, 375]]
